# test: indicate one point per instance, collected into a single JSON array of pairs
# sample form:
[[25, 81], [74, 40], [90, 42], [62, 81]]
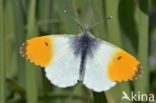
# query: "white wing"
[[96, 69], [64, 68]]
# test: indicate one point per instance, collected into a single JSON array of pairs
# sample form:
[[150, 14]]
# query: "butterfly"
[[71, 58]]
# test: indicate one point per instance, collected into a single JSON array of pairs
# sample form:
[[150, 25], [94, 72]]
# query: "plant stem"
[[113, 30], [69, 24], [99, 97], [2, 53], [98, 14], [32, 31], [142, 84], [19, 25]]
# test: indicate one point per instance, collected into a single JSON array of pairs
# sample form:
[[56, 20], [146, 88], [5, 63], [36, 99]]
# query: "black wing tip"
[[139, 72], [23, 49]]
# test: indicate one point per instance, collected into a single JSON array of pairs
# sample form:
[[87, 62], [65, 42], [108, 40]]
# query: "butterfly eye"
[[119, 57], [46, 43]]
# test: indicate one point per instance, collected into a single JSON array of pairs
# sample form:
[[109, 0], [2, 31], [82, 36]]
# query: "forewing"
[[64, 68], [96, 69], [56, 54], [38, 50]]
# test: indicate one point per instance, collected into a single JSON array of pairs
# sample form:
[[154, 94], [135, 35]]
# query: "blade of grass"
[[142, 84], [85, 13], [69, 24], [10, 46], [115, 94], [16, 87], [10, 49], [32, 31], [2, 63], [98, 14], [62, 96], [111, 7], [99, 97], [45, 12], [19, 25], [127, 21]]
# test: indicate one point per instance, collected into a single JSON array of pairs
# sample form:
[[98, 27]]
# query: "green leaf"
[[20, 90], [114, 34], [99, 97], [19, 37], [32, 31], [2, 54], [127, 21], [69, 24], [142, 84], [97, 7]]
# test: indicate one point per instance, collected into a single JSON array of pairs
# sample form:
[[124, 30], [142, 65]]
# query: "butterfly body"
[[68, 59], [83, 46]]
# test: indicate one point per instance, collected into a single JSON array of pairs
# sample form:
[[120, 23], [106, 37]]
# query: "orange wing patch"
[[123, 67], [38, 50]]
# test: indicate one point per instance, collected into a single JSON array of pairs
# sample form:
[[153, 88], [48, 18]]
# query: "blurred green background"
[[133, 28]]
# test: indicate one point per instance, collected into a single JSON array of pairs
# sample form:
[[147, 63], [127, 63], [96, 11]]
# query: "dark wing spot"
[[46, 43], [119, 58]]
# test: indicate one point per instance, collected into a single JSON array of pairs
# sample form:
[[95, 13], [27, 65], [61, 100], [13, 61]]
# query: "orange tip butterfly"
[[68, 59]]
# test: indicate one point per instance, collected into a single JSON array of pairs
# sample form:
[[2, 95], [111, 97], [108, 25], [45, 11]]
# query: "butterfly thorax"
[[84, 43]]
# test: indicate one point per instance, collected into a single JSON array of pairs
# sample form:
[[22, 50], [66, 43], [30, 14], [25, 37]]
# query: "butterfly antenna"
[[67, 13], [105, 19]]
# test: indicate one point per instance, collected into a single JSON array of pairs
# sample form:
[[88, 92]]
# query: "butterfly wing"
[[108, 65], [56, 55], [38, 50], [95, 76]]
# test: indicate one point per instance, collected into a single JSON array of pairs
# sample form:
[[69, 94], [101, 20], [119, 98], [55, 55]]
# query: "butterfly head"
[[86, 28]]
